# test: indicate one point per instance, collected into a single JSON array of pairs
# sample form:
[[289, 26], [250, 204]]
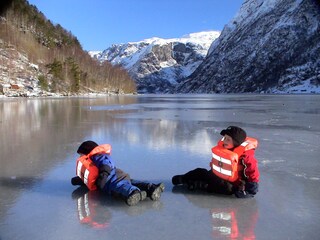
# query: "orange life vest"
[[85, 168], [225, 163]]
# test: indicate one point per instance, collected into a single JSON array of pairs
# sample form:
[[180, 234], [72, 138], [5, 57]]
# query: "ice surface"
[[155, 137]]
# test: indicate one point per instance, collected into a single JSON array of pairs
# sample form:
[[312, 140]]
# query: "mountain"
[[39, 58], [271, 46], [157, 64]]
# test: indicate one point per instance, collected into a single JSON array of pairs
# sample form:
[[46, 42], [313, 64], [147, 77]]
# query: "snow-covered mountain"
[[270, 46], [157, 64]]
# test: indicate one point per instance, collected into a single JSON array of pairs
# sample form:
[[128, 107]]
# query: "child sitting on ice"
[[234, 168]]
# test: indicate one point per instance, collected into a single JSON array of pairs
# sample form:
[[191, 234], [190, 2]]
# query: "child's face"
[[228, 142]]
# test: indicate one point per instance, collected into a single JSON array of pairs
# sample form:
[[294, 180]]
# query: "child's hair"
[[237, 134], [86, 147]]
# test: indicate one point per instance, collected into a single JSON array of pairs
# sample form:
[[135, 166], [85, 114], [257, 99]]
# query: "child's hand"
[[77, 181], [242, 185], [243, 194]]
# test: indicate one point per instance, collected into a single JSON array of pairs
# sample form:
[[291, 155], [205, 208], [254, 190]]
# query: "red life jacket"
[[85, 168], [225, 163]]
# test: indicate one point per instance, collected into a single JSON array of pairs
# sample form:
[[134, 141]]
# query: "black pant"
[[214, 183]]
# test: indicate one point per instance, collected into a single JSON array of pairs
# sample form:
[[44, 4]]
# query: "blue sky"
[[99, 23]]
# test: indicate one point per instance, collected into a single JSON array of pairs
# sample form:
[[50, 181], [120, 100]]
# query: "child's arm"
[[250, 164], [249, 186], [103, 161], [106, 168]]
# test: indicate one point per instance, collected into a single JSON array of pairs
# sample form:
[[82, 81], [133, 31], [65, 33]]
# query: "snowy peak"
[[157, 64], [269, 46]]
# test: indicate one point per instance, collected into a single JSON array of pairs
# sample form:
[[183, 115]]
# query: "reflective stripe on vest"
[[79, 167], [225, 163], [221, 159], [85, 168], [219, 168], [87, 171], [86, 176]]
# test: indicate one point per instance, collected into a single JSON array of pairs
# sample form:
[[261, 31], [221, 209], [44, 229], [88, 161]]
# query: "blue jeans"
[[122, 187]]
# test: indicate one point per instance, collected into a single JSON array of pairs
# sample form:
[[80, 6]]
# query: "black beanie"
[[86, 147], [238, 134]]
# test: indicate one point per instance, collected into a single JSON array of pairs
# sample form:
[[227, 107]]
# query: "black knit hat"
[[86, 147], [237, 134]]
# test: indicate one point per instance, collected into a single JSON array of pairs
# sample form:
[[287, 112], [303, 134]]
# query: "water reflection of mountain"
[[33, 133], [160, 125], [38, 134]]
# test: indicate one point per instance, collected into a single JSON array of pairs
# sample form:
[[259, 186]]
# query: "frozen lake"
[[155, 137]]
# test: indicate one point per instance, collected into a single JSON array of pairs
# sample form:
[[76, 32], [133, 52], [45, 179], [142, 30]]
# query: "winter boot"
[[177, 179], [135, 197], [155, 191]]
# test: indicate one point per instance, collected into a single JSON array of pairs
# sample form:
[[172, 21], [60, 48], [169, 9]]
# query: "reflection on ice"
[[155, 137], [90, 209], [96, 210], [226, 216]]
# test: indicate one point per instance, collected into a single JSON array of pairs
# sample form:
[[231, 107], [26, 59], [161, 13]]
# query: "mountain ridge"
[[157, 64], [270, 46]]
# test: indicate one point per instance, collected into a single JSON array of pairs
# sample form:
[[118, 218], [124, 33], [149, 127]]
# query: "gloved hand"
[[241, 186], [77, 181], [243, 194], [246, 189]]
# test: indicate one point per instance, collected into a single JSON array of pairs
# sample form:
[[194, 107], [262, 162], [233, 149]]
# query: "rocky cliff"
[[271, 46], [156, 64]]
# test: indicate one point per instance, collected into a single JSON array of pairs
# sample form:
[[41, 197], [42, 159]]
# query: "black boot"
[[177, 180]]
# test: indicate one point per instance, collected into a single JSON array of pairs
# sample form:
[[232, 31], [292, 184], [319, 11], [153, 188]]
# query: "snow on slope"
[[154, 61]]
